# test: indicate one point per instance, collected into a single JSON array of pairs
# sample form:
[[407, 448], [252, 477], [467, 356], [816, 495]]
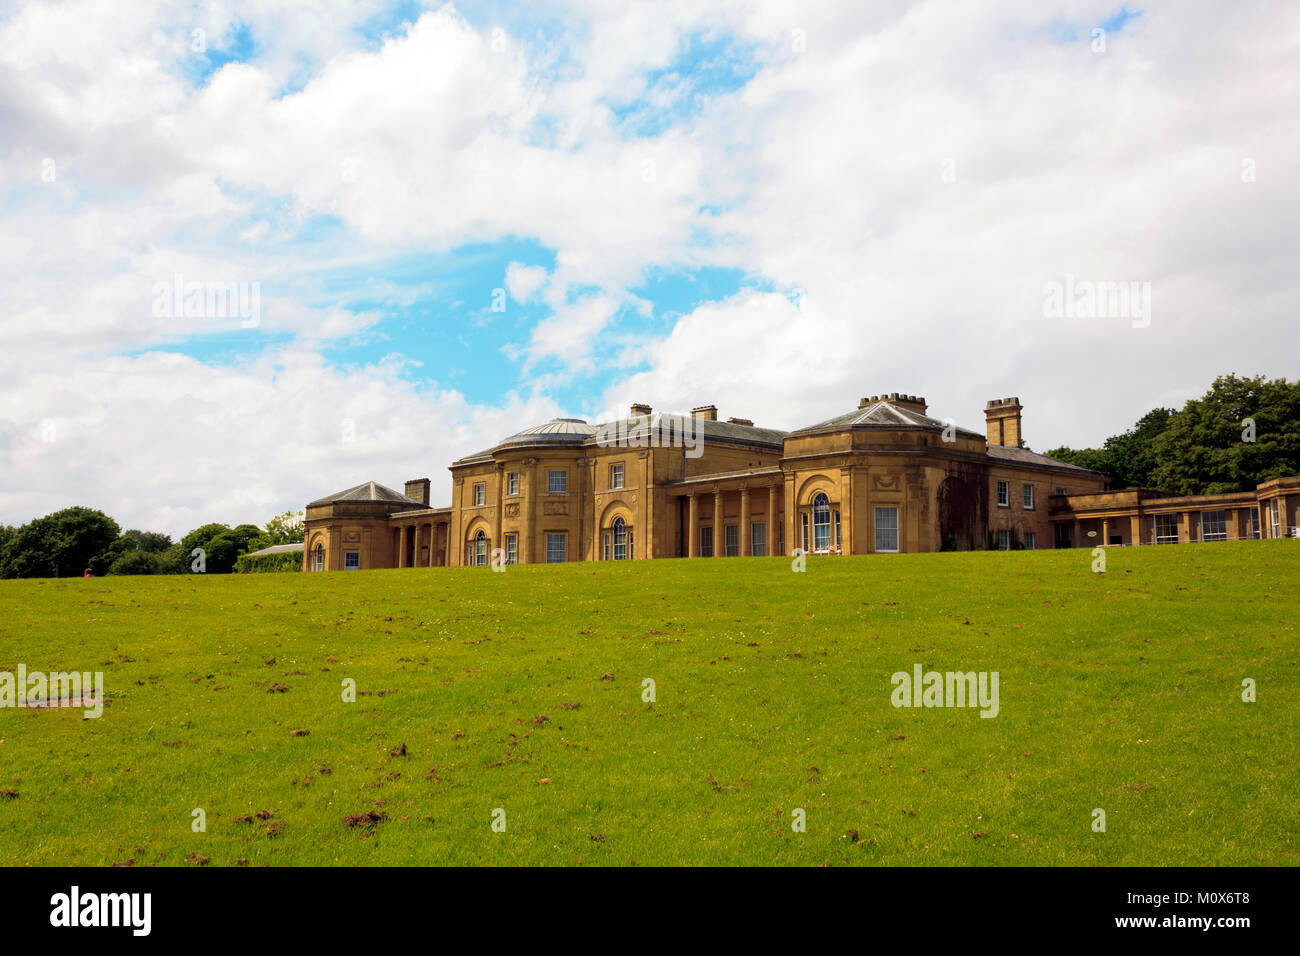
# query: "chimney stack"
[[640, 411], [914, 402], [1002, 417], [418, 488], [705, 413]]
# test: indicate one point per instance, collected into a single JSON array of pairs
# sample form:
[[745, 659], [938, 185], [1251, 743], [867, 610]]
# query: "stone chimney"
[[742, 421], [705, 413], [418, 488], [1002, 416], [914, 402], [641, 411]]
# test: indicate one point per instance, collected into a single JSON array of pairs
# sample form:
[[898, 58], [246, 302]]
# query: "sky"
[[442, 223]]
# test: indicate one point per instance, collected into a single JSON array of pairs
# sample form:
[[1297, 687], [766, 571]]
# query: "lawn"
[[522, 692]]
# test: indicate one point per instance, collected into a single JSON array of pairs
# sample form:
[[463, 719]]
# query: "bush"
[[284, 561], [135, 562]]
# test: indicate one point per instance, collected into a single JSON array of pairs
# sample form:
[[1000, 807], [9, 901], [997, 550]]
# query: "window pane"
[[706, 542], [821, 523], [758, 539], [1029, 496], [886, 529], [555, 548], [1166, 529], [557, 482], [732, 537]]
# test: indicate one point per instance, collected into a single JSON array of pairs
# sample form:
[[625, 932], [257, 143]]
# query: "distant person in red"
[[87, 574]]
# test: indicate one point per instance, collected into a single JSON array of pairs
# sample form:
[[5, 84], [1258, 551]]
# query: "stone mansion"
[[882, 478]]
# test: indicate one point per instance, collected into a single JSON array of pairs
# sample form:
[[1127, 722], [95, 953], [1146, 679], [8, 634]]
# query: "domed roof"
[[558, 431]]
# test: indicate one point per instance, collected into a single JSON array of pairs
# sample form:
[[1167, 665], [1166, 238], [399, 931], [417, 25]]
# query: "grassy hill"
[[523, 691]]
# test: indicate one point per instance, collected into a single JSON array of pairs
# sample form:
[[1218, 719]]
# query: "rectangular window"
[[886, 529], [1214, 526], [781, 534], [555, 547], [1029, 497], [837, 530], [1166, 529], [1060, 491], [605, 546], [758, 539], [616, 476], [512, 549], [804, 519], [512, 483], [1031, 541], [557, 482], [1274, 520], [351, 560], [1252, 524], [1004, 494], [731, 538], [706, 542], [1004, 540], [1062, 535], [480, 494]]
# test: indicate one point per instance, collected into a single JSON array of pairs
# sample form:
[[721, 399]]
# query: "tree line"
[[1241, 432], [70, 542]]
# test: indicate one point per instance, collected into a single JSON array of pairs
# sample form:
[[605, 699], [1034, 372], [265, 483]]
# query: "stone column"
[[1105, 532], [1135, 530], [773, 528], [745, 549], [403, 542], [497, 541], [693, 527], [719, 535], [1185, 534]]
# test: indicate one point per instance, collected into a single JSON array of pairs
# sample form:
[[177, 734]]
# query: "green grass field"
[[523, 691]]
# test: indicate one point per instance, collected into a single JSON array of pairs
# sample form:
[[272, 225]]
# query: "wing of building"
[[883, 477]]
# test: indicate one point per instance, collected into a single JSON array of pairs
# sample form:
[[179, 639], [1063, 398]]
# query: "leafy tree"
[[150, 542], [1206, 447], [1131, 456], [221, 545], [284, 528], [62, 544], [1095, 458], [200, 536]]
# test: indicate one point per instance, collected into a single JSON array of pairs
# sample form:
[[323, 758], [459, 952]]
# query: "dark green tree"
[[1241, 432], [150, 542], [62, 544]]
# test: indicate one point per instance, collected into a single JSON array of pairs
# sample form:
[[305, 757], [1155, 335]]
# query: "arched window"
[[821, 523], [620, 540], [480, 550], [320, 557]]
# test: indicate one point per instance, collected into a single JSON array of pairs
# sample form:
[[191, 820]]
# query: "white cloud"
[[523, 281], [824, 175]]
